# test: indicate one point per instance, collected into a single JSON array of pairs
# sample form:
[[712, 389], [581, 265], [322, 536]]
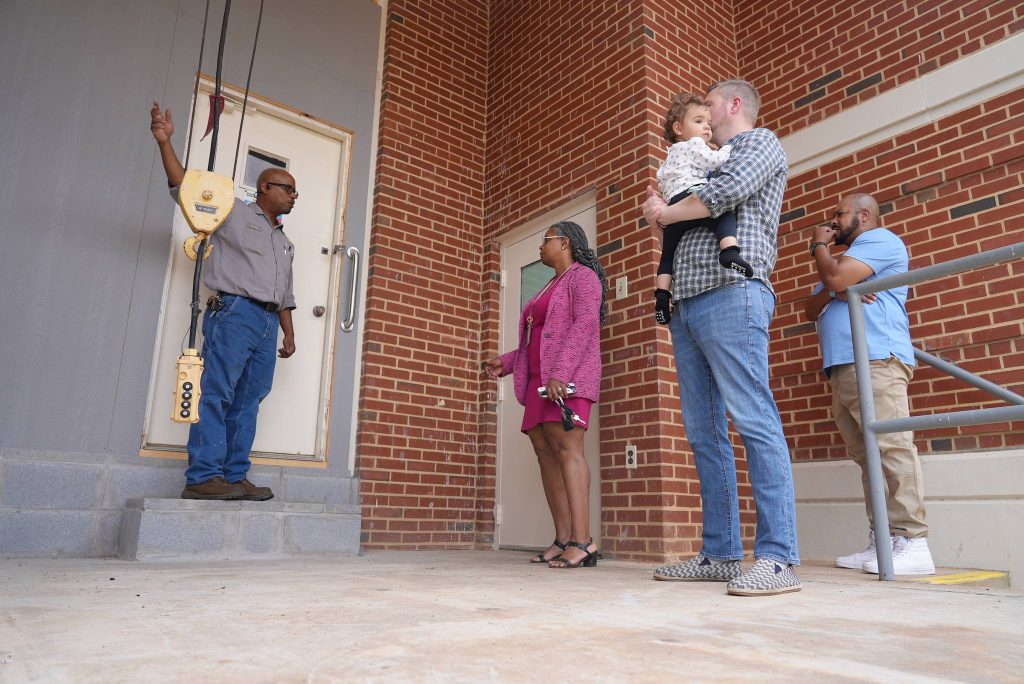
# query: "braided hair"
[[582, 253]]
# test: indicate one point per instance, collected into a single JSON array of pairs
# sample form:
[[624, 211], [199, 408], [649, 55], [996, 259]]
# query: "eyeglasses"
[[544, 240], [289, 189]]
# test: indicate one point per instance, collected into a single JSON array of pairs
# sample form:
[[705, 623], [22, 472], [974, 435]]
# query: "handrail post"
[[872, 454]]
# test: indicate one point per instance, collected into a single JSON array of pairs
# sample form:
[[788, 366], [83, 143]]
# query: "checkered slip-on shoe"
[[700, 568], [765, 577]]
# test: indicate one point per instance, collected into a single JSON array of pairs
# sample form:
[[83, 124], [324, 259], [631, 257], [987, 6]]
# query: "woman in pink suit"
[[560, 343]]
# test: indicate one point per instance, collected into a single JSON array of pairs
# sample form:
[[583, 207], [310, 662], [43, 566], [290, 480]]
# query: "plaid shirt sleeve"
[[751, 183]]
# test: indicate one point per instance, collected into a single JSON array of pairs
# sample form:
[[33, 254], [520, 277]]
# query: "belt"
[[266, 306]]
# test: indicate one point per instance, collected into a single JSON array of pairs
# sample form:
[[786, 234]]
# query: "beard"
[[841, 238]]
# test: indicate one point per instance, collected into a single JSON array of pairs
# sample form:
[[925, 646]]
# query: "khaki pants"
[[901, 467]]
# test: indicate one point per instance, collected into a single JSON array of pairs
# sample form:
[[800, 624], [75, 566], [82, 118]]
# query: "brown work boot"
[[252, 492], [214, 488]]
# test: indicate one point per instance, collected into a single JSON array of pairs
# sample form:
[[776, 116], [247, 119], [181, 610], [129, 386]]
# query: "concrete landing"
[[165, 529], [464, 616]]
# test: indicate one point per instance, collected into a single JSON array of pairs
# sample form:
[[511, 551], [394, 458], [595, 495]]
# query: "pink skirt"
[[540, 410]]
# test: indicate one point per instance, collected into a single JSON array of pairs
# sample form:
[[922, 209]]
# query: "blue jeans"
[[720, 341], [239, 354]]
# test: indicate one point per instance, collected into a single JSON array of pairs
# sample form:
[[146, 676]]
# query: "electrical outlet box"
[[630, 457], [621, 287]]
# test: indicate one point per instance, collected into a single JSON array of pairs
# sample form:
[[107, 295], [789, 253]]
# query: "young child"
[[689, 161]]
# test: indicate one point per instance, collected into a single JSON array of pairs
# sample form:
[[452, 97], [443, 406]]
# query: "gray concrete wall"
[[85, 220], [975, 502], [62, 503]]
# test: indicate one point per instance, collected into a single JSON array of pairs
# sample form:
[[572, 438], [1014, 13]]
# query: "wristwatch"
[[814, 246]]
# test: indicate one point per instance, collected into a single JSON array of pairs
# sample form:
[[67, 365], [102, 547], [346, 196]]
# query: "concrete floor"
[[486, 617]]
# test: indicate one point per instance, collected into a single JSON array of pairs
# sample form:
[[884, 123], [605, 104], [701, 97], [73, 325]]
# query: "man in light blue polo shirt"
[[874, 252]]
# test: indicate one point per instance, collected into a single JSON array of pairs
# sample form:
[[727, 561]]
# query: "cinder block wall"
[[82, 275]]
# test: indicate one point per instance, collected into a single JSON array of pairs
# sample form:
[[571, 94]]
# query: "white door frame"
[[506, 341]]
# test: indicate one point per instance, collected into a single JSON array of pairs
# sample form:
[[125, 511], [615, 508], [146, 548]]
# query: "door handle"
[[350, 318], [319, 311]]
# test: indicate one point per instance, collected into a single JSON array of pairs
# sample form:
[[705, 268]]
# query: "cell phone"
[[570, 389]]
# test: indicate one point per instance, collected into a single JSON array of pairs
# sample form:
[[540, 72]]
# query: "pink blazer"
[[570, 345]]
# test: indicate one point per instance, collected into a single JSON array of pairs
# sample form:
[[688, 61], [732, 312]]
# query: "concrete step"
[[180, 529]]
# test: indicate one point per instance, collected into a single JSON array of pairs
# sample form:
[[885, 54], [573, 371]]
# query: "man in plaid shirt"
[[720, 341]]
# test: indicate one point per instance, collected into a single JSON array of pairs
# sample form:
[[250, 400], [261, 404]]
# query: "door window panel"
[[256, 162], [532, 278]]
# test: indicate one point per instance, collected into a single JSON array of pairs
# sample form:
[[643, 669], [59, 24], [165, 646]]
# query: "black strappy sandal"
[[588, 561], [539, 558]]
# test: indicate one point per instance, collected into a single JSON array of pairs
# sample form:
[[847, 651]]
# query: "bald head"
[[862, 202], [274, 175], [275, 191], [856, 213]]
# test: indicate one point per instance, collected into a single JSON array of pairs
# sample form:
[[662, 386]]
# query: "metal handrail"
[[872, 427], [970, 378]]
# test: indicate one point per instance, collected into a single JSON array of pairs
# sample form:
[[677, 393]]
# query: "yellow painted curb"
[[962, 577]]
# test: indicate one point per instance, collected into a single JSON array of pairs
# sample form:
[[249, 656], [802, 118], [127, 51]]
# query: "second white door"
[[524, 519]]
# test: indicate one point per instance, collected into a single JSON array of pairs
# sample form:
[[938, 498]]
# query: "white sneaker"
[[856, 561], [910, 556]]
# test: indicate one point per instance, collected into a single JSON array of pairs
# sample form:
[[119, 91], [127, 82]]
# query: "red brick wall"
[[653, 512], [417, 441], [567, 93], [949, 189], [569, 109], [495, 113], [811, 60], [578, 93]]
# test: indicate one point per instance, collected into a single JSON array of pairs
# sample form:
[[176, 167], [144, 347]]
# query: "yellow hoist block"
[[186, 387], [206, 199]]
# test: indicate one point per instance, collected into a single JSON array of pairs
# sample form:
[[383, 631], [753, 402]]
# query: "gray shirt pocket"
[[256, 237]]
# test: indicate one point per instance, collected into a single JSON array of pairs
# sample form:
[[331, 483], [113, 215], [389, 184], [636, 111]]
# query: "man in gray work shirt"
[[250, 268]]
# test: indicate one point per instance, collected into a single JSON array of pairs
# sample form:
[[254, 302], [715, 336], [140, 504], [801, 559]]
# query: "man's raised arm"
[[162, 127]]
